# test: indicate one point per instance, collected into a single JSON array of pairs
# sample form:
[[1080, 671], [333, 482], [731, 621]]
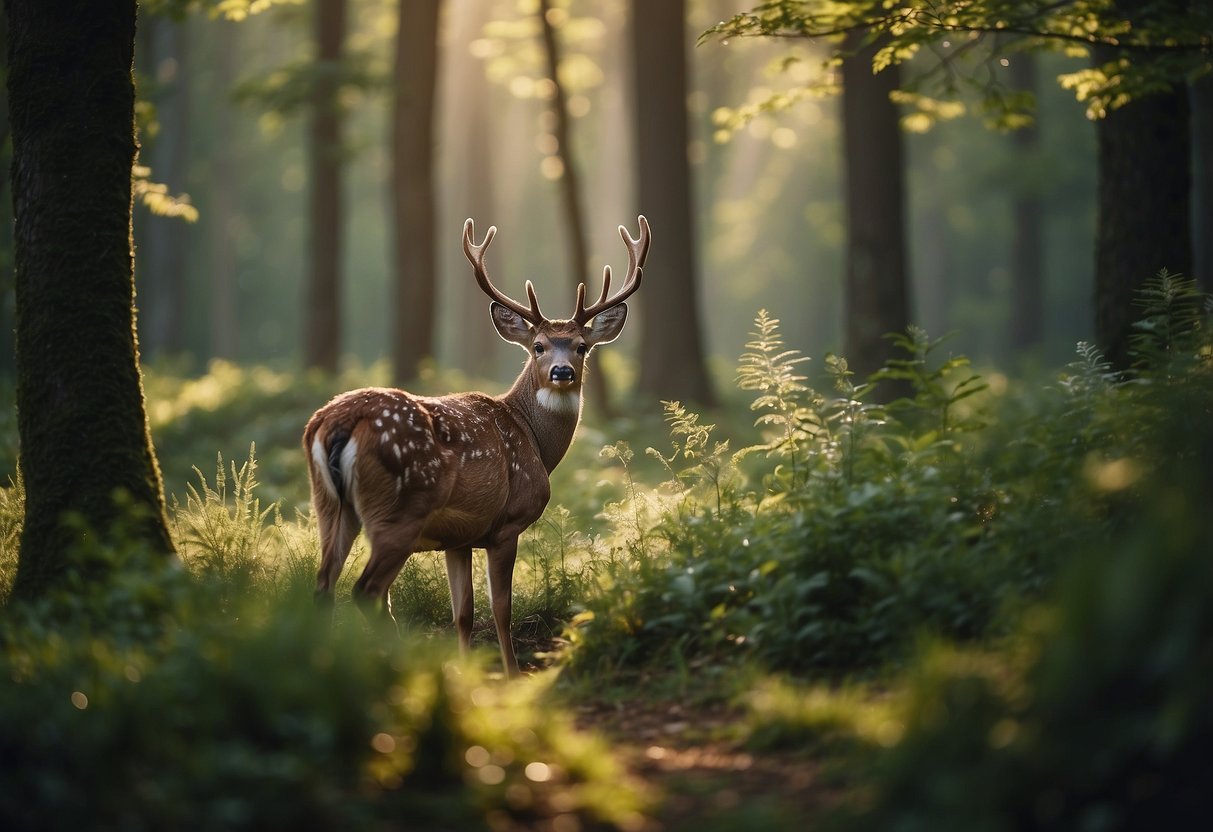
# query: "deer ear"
[[510, 325], [607, 325]]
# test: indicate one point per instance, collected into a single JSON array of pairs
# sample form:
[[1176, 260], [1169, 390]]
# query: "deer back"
[[464, 463]]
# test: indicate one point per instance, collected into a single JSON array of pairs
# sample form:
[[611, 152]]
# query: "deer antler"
[[475, 255], [638, 250]]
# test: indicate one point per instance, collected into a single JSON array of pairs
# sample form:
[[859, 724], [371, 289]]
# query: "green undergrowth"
[[209, 694], [858, 526]]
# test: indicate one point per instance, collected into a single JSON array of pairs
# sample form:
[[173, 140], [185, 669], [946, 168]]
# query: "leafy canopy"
[[954, 47]]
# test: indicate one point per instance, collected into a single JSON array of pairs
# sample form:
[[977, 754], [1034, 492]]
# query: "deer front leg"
[[501, 588], [459, 576]]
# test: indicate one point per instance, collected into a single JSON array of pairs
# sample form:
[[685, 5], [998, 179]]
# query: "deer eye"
[[582, 349], [538, 349]]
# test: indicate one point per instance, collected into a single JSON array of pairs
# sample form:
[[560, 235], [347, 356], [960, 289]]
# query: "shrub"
[[853, 527], [1100, 713]]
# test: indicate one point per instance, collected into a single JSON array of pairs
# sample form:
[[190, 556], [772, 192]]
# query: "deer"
[[463, 471]]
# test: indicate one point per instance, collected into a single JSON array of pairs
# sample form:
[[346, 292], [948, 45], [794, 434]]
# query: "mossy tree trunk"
[[81, 417]]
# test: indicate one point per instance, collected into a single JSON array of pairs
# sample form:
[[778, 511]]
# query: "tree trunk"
[[413, 185], [1201, 98], [1145, 189], [672, 363], [322, 339], [81, 416], [570, 190], [164, 241], [1144, 197], [473, 145], [877, 284], [7, 364], [1027, 244], [225, 178]]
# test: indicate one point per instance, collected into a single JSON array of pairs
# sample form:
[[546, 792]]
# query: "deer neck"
[[551, 416]]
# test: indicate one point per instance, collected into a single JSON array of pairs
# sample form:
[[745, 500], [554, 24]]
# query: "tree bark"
[[672, 362], [81, 415], [1143, 217], [322, 338], [1201, 100], [877, 282], [1027, 243], [413, 185], [1145, 188]]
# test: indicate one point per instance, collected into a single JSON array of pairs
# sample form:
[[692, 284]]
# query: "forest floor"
[[690, 754], [700, 775]]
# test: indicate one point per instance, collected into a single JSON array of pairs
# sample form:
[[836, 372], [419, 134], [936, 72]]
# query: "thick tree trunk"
[[1144, 198], [1027, 244], [672, 363], [1145, 189], [877, 283], [322, 338], [82, 422], [413, 185]]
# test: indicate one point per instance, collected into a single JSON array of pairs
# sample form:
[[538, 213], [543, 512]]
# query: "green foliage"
[[213, 696], [868, 525], [952, 49], [12, 520], [276, 724], [1100, 713]]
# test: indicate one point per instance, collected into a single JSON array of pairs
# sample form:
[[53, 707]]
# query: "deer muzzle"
[[562, 374]]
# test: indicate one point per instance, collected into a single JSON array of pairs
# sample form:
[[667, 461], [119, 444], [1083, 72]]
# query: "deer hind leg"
[[338, 525], [501, 596], [391, 546], [459, 576]]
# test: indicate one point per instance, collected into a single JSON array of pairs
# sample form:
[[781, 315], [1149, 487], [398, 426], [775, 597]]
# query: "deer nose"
[[562, 373]]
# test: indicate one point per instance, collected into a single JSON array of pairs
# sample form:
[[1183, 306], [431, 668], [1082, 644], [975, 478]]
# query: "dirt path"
[[703, 777]]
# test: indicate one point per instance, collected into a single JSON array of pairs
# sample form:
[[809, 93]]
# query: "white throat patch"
[[561, 402]]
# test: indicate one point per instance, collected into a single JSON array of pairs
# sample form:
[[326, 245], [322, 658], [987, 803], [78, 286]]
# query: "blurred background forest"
[[225, 126]]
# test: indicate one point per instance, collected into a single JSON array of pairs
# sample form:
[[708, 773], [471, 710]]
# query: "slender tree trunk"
[[672, 364], [322, 338], [877, 279], [1027, 244], [570, 190], [473, 144], [81, 415], [413, 185], [164, 241], [1201, 98], [224, 178]]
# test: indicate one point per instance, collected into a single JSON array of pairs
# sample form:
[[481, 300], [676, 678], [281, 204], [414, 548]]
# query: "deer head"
[[558, 348]]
